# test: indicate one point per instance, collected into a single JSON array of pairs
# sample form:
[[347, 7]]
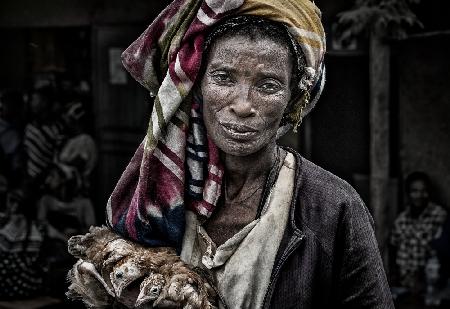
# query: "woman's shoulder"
[[324, 202], [318, 183]]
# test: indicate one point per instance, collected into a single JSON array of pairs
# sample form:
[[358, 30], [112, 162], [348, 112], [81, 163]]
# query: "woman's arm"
[[362, 279]]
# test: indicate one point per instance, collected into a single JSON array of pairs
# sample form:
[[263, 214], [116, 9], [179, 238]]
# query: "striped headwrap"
[[177, 166]]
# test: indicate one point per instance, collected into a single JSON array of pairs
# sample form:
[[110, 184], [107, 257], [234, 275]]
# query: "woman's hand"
[[112, 268]]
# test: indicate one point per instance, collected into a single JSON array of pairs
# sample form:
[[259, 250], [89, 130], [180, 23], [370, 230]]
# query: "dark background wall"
[[67, 13]]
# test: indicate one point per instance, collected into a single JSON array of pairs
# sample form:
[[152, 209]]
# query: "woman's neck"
[[242, 171]]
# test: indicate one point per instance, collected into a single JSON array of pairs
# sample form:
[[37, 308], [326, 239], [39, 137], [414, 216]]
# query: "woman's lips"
[[239, 131]]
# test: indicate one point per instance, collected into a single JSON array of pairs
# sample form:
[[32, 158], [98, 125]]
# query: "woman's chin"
[[242, 144], [239, 148]]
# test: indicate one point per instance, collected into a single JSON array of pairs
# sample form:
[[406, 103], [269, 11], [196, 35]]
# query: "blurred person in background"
[[64, 210], [51, 124], [67, 184], [414, 230], [79, 149], [77, 159], [65, 207], [43, 134], [21, 238]]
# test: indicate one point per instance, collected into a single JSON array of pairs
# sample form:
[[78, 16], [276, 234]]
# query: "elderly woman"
[[269, 228]]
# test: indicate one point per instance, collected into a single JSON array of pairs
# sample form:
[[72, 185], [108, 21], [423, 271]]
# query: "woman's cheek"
[[273, 108], [216, 97]]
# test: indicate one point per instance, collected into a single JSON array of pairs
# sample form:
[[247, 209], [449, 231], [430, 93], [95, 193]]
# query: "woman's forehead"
[[234, 49]]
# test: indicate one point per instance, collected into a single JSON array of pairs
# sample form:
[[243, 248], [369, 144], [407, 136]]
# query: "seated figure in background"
[[413, 231], [67, 182], [43, 135], [64, 209]]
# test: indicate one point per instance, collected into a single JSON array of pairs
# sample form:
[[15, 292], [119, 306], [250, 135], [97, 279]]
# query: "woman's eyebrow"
[[215, 65], [224, 66], [271, 74]]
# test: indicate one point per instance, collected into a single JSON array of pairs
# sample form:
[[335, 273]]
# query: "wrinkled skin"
[[245, 89]]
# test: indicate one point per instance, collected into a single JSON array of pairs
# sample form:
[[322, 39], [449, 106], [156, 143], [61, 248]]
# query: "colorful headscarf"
[[177, 166]]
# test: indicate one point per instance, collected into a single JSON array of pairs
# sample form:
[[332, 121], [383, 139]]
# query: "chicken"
[[138, 265], [150, 289], [134, 275], [100, 246], [184, 287], [89, 286]]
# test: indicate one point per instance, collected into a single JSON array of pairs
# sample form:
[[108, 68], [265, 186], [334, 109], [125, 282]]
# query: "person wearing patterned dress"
[[413, 231]]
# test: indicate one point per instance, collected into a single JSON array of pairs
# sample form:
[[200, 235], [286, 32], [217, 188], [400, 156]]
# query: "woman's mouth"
[[239, 131]]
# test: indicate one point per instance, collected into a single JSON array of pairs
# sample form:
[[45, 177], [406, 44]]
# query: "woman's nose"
[[242, 104]]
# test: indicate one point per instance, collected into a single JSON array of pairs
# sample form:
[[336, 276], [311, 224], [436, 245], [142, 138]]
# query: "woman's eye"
[[221, 77], [270, 87]]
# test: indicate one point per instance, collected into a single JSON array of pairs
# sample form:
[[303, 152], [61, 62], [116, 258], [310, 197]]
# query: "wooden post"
[[379, 136]]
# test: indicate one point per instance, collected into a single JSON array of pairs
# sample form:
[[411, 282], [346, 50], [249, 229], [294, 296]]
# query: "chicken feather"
[[134, 275]]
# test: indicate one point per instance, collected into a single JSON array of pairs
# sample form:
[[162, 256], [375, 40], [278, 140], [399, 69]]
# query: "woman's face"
[[245, 89]]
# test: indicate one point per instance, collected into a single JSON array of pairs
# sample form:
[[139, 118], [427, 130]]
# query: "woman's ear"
[[296, 96], [294, 115]]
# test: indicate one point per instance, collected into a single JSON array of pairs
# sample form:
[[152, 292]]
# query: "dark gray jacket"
[[328, 257]]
